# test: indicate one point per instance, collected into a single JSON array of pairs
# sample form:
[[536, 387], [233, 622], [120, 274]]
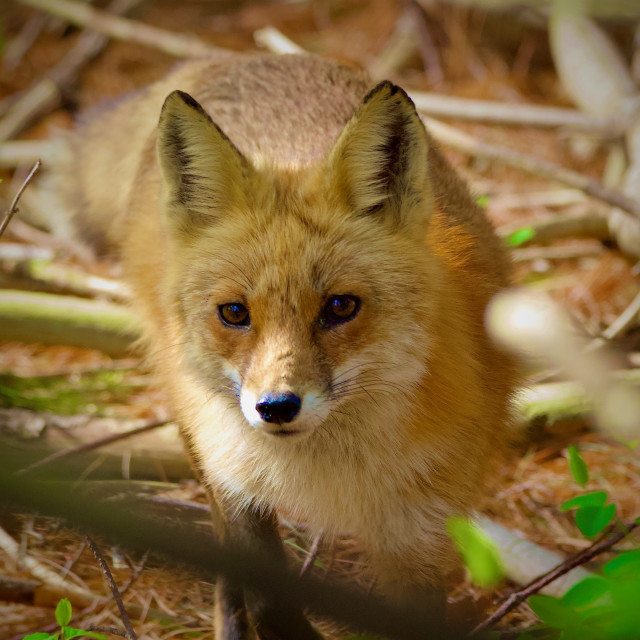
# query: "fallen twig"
[[528, 115], [14, 205], [452, 137], [21, 152], [462, 141], [18, 46], [312, 554], [135, 574], [95, 444], [570, 252], [619, 326], [605, 543], [589, 225], [78, 595], [108, 576], [83, 15], [56, 319], [45, 94], [154, 455], [39, 275]]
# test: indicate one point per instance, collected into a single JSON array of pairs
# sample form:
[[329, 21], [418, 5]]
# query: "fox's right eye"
[[234, 314]]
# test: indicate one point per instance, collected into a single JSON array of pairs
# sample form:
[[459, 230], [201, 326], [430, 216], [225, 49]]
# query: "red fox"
[[312, 277]]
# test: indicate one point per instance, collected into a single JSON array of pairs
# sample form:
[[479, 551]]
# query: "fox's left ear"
[[380, 164]]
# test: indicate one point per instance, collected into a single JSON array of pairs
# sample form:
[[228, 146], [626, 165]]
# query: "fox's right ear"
[[202, 171]]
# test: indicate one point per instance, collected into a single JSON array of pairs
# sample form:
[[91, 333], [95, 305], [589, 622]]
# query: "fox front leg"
[[410, 580], [243, 614]]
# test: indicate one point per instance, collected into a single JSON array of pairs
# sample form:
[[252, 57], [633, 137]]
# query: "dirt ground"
[[479, 57]]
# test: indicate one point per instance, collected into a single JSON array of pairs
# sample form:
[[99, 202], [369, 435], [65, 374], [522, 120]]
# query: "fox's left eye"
[[234, 314], [339, 309]]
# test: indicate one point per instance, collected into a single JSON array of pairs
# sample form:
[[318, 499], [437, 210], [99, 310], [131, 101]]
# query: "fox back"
[[312, 277]]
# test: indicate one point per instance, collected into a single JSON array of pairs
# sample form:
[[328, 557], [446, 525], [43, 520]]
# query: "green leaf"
[[595, 499], [578, 467], [552, 611], [70, 632], [520, 236], [592, 520], [482, 201], [626, 565], [586, 592], [63, 612], [477, 551]]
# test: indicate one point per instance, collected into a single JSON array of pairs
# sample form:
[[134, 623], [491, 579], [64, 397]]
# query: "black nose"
[[278, 408]]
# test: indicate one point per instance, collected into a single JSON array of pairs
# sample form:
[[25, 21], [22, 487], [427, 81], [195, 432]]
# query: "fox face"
[[301, 294]]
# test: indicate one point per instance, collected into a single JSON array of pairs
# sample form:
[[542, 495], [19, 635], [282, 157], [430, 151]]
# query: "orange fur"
[[407, 402]]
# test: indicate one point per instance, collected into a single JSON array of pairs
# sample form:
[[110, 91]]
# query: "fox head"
[[302, 293]]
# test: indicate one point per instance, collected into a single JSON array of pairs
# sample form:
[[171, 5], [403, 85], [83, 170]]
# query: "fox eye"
[[234, 314], [339, 309]]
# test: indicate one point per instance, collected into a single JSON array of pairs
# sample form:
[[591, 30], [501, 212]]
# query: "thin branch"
[[14, 205], [619, 326], [95, 444], [527, 115], [21, 152], [515, 599], [124, 616], [18, 46], [570, 252], [45, 276], [460, 140], [452, 137], [46, 94], [83, 15], [137, 571], [54, 583], [312, 555], [589, 225]]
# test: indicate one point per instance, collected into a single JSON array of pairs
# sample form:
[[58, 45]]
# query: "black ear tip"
[[178, 96], [388, 90]]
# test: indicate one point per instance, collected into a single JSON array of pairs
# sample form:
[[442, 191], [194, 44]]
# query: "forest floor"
[[477, 60]]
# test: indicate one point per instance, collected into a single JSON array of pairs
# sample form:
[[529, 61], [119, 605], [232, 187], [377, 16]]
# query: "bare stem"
[[599, 546], [14, 205], [130, 633]]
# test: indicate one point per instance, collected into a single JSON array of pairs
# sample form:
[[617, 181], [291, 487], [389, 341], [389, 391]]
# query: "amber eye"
[[339, 309], [234, 314]]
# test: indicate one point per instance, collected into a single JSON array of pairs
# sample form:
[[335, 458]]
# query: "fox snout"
[[283, 412]]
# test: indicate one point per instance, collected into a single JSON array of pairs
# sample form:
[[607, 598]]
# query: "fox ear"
[[202, 171], [379, 163]]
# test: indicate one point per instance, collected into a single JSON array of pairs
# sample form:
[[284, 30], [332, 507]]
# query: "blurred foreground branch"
[[255, 571]]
